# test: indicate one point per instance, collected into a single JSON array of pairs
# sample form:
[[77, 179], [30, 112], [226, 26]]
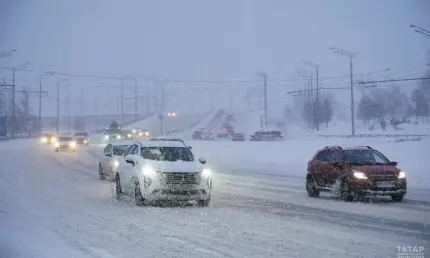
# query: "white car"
[[110, 159], [65, 143], [163, 171], [112, 134]]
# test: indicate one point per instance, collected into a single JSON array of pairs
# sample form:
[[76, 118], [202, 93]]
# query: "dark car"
[[127, 135], [197, 133], [223, 133], [206, 136], [356, 171], [238, 137], [269, 135], [82, 138]]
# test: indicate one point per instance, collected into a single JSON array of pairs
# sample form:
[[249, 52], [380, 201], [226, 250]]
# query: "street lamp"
[[21, 66], [351, 56], [420, 30], [58, 103], [7, 53], [40, 97]]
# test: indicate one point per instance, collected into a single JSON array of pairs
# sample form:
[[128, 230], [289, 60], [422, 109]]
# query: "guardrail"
[[372, 135]]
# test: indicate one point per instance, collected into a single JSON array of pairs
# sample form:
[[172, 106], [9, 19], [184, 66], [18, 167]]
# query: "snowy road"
[[53, 205]]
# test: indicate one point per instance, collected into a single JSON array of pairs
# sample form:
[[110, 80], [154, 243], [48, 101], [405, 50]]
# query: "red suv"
[[356, 171]]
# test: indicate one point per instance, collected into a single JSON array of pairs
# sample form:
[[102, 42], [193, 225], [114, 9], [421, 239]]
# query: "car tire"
[[345, 192], [137, 195], [101, 175], [311, 188], [57, 150], [118, 190], [397, 197], [204, 203]]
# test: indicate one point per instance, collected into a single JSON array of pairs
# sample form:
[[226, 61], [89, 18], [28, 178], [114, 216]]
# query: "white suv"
[[163, 170]]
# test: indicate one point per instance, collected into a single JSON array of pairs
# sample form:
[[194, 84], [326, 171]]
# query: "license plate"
[[385, 184]]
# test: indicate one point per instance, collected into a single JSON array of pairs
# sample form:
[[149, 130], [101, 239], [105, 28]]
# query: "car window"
[[107, 149], [135, 150], [335, 157], [65, 139], [324, 156], [130, 150], [365, 157], [119, 150], [81, 134], [171, 154]]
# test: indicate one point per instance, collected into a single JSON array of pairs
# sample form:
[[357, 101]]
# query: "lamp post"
[[420, 30], [7, 53], [40, 97], [351, 56], [58, 103], [22, 66]]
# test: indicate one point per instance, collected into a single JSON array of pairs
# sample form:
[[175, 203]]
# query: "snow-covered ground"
[[344, 128], [53, 205]]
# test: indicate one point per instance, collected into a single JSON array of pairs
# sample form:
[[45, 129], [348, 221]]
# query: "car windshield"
[[48, 135], [81, 134], [171, 154], [118, 150], [65, 139], [113, 131], [365, 157]]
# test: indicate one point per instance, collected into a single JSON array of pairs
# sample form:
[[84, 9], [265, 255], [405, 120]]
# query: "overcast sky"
[[205, 40]]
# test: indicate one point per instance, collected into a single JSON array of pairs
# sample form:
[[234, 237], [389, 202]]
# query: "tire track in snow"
[[345, 219]]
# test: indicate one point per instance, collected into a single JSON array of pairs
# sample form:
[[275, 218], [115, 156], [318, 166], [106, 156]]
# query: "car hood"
[[377, 169], [177, 166]]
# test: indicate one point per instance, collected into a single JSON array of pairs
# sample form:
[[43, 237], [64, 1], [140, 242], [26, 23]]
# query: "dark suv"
[[356, 171]]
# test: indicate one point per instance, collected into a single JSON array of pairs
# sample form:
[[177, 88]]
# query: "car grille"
[[384, 177], [175, 178]]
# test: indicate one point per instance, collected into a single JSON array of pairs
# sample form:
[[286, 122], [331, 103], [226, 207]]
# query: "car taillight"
[[212, 137], [282, 135]]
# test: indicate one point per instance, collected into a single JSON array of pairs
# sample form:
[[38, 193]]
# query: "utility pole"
[[13, 104], [147, 96], [69, 103], [122, 102], [58, 108], [135, 100], [265, 98], [351, 56]]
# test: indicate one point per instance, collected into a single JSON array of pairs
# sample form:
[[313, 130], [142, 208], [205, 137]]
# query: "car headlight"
[[148, 171], [140, 133], [44, 140], [360, 175], [53, 139], [146, 133], [57, 144], [85, 141], [118, 137], [402, 175], [106, 137], [73, 144], [115, 163], [134, 131], [129, 135], [206, 172]]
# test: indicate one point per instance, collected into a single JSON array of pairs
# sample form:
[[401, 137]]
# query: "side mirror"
[[338, 164], [202, 160], [189, 147], [394, 163], [130, 161], [108, 155]]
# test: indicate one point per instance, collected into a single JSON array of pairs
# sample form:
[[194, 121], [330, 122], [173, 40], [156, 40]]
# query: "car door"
[[131, 161], [107, 156], [124, 167], [335, 171], [322, 167]]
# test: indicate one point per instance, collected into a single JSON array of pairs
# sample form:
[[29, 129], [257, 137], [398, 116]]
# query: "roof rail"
[[333, 147], [368, 147]]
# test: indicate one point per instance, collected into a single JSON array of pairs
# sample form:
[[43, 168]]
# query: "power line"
[[395, 80]]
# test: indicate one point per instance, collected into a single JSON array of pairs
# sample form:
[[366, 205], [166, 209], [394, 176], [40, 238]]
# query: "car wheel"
[[311, 187], [137, 196], [346, 192], [204, 203], [397, 197], [118, 190], [56, 150], [101, 176]]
